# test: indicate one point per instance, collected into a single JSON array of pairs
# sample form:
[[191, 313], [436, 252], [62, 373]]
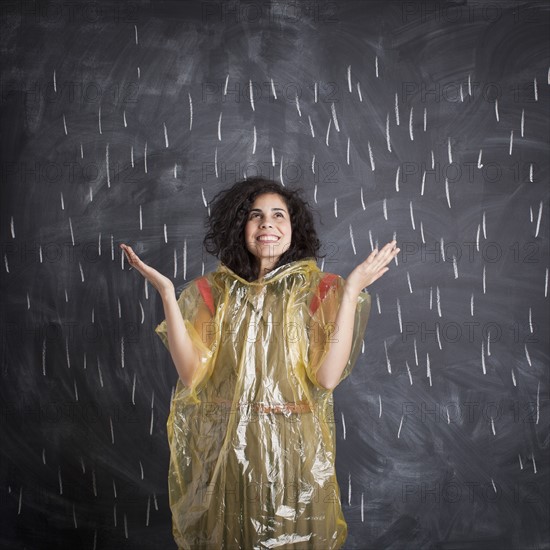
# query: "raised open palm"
[[372, 268], [158, 280]]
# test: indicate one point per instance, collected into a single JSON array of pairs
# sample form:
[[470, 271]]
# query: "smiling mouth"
[[270, 240]]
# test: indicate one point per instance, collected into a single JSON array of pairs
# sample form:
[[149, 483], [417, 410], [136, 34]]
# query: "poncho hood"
[[304, 266]]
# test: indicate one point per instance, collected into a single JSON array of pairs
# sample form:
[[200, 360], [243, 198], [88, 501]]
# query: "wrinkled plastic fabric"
[[241, 476]]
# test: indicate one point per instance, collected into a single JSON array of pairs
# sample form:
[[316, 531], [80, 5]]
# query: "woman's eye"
[[279, 214]]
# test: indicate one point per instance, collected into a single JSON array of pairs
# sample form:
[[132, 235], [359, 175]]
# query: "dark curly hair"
[[229, 214]]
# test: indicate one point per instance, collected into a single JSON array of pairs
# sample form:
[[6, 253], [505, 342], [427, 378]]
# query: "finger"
[[390, 245], [381, 261], [370, 258], [380, 255], [388, 259], [393, 246], [390, 250], [131, 255]]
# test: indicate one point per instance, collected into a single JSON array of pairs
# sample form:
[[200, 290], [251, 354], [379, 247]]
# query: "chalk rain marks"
[[399, 317], [371, 161], [334, 116], [328, 132], [397, 179], [388, 362], [539, 219], [251, 92], [311, 126], [371, 157], [297, 101], [107, 169], [388, 143], [273, 91], [396, 110], [351, 239], [409, 373], [400, 426], [145, 157], [528, 357], [409, 282], [343, 426], [190, 111]]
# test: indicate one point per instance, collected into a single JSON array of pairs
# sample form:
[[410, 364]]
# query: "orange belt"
[[281, 409], [298, 408]]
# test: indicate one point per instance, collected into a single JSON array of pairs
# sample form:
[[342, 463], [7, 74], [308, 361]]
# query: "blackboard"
[[423, 121]]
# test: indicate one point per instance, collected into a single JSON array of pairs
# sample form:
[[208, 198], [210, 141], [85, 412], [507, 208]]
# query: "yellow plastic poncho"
[[252, 441]]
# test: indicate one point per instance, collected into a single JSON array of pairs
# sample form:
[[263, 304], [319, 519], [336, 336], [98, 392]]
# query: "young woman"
[[259, 345]]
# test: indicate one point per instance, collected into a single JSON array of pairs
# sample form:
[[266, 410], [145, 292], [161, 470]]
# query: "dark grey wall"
[[442, 429]]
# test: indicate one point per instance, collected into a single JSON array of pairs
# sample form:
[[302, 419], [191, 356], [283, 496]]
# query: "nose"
[[265, 224]]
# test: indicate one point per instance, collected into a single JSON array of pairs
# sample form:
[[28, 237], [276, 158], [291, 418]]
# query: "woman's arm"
[[337, 356], [340, 340], [182, 350]]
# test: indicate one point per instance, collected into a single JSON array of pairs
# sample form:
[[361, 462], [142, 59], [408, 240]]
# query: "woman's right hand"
[[163, 284]]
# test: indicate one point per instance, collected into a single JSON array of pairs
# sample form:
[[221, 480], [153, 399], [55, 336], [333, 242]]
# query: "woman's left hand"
[[371, 269]]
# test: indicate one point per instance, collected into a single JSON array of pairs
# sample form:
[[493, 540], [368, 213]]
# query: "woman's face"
[[268, 231]]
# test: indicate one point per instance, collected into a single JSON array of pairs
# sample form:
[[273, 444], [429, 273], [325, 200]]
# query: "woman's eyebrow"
[[260, 210]]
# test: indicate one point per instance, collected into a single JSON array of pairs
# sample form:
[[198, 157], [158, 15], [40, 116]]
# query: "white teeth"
[[268, 239]]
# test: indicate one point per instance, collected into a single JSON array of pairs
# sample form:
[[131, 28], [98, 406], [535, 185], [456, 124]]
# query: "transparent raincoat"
[[252, 439]]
